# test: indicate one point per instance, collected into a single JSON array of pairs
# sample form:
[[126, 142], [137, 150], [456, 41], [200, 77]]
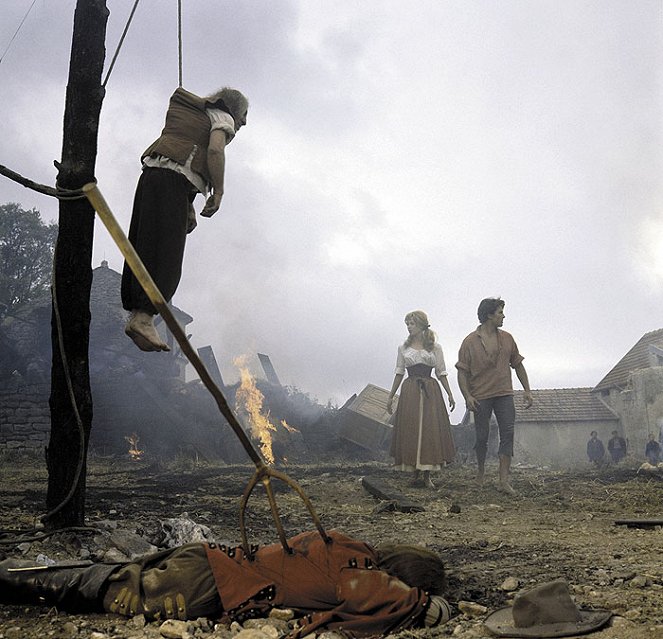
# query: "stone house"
[[126, 383], [132, 392], [633, 388], [555, 429]]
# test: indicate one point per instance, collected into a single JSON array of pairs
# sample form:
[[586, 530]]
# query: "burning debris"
[[134, 452], [249, 403]]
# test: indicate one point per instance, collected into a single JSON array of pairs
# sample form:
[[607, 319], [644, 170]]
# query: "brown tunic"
[[337, 584]]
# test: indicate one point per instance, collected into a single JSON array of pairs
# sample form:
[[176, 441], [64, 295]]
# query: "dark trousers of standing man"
[[158, 233], [505, 413]]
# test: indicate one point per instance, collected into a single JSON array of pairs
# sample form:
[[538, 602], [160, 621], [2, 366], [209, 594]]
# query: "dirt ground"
[[561, 525]]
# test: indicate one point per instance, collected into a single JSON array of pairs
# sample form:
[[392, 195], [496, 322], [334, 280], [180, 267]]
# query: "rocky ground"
[[561, 525]]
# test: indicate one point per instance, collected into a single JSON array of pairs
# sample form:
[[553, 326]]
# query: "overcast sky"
[[397, 156]]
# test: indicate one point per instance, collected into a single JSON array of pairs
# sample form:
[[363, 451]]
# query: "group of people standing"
[[422, 440], [618, 448]]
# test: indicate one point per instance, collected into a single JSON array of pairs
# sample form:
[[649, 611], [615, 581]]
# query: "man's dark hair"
[[417, 567], [489, 306]]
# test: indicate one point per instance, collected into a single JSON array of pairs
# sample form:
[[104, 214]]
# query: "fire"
[[250, 400], [133, 451]]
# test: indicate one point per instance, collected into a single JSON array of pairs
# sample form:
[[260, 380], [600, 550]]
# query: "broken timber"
[[639, 523], [383, 491]]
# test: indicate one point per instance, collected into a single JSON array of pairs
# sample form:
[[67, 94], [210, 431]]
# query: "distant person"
[[484, 365], [422, 440], [617, 447], [653, 450], [187, 159], [595, 449], [344, 584]]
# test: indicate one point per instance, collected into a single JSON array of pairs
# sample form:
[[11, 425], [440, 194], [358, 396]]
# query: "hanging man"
[[187, 159]]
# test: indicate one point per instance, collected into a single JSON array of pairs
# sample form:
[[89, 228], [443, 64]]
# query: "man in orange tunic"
[[343, 584]]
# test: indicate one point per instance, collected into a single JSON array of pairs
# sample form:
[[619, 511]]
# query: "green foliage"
[[26, 256]]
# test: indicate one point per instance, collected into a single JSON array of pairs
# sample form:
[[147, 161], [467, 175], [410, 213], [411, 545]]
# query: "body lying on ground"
[[343, 584]]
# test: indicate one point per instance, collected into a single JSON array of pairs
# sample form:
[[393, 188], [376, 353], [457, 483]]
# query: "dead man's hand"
[[212, 205]]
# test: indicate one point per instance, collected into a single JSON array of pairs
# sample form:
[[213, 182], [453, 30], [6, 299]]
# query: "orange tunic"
[[336, 585], [489, 375]]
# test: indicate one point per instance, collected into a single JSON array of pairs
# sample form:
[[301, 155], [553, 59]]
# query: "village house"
[[633, 388], [146, 393]]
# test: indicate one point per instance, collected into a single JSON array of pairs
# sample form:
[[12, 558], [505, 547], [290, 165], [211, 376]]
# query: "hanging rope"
[[4, 53], [179, 37], [119, 46]]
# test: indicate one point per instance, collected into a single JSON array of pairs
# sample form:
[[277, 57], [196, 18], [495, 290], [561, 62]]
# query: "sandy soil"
[[561, 525]]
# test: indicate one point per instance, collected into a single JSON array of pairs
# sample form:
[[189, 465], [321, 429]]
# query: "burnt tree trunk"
[[71, 399]]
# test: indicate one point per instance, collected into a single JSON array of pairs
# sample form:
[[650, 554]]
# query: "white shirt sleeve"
[[222, 120], [400, 362], [440, 366]]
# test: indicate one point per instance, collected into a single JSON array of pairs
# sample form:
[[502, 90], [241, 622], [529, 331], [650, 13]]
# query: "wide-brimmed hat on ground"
[[545, 611]]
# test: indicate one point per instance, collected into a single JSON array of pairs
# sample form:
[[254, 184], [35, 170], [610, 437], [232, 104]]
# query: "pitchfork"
[[263, 473]]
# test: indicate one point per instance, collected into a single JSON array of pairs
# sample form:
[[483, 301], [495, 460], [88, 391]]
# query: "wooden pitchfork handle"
[[263, 472]]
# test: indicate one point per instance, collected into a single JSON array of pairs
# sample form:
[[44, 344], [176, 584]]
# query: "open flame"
[[134, 451], [249, 400]]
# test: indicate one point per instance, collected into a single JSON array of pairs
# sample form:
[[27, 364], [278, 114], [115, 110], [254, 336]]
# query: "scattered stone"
[[182, 530], [14, 633], [264, 625], [235, 627], [285, 614], [113, 555], [252, 633], [454, 508], [174, 629], [633, 613], [472, 609], [618, 621], [138, 621], [476, 630], [131, 544], [510, 584], [639, 581], [330, 634], [98, 635], [69, 629]]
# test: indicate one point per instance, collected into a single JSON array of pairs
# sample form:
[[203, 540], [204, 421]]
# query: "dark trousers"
[[158, 233], [505, 413]]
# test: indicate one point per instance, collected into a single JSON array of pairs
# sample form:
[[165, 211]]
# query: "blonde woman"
[[422, 439]]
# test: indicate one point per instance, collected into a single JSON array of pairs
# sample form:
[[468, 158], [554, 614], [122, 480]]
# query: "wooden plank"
[[384, 491], [639, 523]]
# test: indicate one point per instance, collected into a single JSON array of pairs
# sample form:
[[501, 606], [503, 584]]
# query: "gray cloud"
[[396, 157]]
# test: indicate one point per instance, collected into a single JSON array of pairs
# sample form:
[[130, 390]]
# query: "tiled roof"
[[563, 405], [636, 359]]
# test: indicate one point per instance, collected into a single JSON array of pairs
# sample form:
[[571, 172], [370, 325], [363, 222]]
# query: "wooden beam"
[[384, 491]]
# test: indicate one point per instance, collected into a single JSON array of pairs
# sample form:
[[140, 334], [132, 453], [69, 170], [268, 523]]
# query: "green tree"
[[26, 255]]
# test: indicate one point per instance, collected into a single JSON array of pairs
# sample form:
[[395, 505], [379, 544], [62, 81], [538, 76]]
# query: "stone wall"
[[640, 405], [561, 445], [25, 418]]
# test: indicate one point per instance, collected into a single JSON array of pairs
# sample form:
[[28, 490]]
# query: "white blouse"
[[408, 356]]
